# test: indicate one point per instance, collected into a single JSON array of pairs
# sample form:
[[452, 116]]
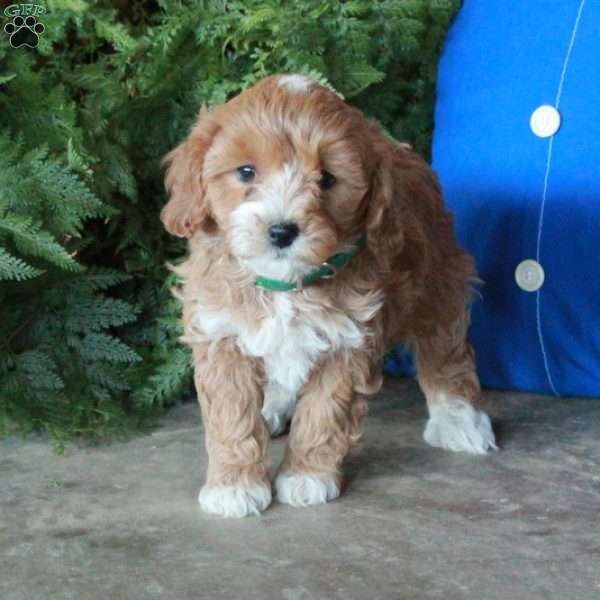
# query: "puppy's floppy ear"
[[187, 209], [405, 199], [384, 227]]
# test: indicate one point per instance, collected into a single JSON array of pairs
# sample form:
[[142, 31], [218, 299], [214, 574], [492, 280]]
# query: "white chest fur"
[[289, 337]]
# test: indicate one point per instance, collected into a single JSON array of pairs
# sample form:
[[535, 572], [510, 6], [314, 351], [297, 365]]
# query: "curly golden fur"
[[315, 353]]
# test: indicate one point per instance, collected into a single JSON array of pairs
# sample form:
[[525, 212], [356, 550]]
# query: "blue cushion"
[[506, 186]]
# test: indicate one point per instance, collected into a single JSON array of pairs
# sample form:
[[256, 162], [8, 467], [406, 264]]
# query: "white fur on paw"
[[276, 422], [278, 407], [455, 425], [234, 501], [303, 490]]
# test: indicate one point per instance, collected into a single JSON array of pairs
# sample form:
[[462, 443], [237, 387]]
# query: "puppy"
[[315, 244]]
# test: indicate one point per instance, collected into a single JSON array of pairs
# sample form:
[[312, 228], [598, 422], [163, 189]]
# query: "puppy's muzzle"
[[282, 235]]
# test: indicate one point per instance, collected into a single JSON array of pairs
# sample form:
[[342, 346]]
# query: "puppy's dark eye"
[[246, 173], [327, 180]]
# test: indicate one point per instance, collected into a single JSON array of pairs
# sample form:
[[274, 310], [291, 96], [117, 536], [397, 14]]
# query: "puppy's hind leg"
[[278, 407], [447, 375]]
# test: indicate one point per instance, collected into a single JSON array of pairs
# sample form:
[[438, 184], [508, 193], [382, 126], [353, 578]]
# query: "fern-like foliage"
[[88, 329]]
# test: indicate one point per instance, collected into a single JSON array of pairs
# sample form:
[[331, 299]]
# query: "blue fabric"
[[499, 64], [399, 363]]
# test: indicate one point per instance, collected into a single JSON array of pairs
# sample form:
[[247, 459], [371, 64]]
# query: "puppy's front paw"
[[299, 489], [234, 501], [455, 425]]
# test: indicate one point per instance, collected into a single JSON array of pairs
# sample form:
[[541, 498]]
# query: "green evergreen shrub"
[[88, 330]]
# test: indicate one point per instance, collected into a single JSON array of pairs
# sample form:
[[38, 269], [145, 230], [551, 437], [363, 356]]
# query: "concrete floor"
[[121, 521]]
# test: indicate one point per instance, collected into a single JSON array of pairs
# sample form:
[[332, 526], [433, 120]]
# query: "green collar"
[[327, 270]]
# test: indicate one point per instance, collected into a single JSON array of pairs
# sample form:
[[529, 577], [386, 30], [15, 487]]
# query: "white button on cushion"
[[530, 275], [545, 121]]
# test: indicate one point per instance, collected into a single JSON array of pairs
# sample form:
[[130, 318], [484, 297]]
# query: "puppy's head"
[[286, 172]]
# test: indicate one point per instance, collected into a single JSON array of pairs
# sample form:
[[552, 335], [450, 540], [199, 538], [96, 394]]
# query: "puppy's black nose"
[[283, 234]]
